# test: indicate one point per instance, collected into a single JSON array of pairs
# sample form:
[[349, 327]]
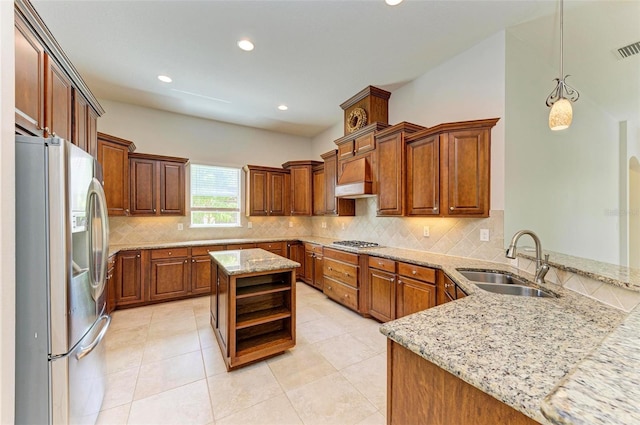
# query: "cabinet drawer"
[[276, 247], [382, 264], [241, 246], [169, 253], [204, 250], [343, 294], [365, 143], [345, 273], [345, 257], [417, 272], [313, 248], [345, 150], [111, 262]]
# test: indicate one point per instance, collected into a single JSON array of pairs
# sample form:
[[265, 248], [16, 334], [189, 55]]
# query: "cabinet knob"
[[329, 288], [185, 261], [414, 272], [46, 129], [399, 282], [330, 269], [346, 274], [346, 295], [451, 208], [138, 255], [193, 261], [154, 210], [161, 210], [435, 208], [391, 280], [127, 210]]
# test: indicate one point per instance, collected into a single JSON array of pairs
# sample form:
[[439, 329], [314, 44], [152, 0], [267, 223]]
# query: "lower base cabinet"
[[169, 275], [313, 265], [111, 283], [419, 392], [295, 252], [342, 279], [129, 279]]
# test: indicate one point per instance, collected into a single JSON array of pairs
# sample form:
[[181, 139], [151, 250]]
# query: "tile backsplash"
[[452, 236]]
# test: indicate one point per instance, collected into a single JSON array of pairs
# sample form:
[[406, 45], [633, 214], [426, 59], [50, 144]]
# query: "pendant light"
[[563, 94]]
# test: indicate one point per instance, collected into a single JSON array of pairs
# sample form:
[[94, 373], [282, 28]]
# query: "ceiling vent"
[[630, 50]]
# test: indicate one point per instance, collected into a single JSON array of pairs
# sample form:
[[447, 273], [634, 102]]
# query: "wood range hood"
[[356, 180]]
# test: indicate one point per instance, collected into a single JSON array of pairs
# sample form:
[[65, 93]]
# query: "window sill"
[[195, 226]]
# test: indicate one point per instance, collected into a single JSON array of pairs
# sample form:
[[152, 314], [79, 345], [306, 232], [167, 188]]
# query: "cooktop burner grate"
[[357, 244]]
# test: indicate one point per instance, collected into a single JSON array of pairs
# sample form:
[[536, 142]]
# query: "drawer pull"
[[330, 269], [169, 252], [399, 282], [329, 288], [347, 274], [346, 295], [185, 261], [414, 272], [391, 280]]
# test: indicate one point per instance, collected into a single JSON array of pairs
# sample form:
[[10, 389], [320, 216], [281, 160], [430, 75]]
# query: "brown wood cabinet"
[[454, 179], [241, 246], [313, 265], [111, 283], [157, 184], [201, 273], [390, 146], [399, 289], [319, 195], [51, 97], [302, 195], [419, 392], [169, 274], [333, 205], [342, 278], [295, 252], [278, 248], [129, 281], [447, 290], [113, 155], [267, 191], [373, 100]]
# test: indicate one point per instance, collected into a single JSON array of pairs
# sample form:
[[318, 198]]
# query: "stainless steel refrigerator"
[[61, 263]]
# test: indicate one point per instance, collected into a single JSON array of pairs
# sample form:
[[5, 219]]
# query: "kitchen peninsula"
[[253, 305]]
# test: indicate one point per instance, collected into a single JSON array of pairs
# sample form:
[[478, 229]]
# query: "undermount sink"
[[503, 283]]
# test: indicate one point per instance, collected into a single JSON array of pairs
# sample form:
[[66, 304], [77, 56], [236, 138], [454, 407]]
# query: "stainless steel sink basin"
[[503, 283], [507, 289]]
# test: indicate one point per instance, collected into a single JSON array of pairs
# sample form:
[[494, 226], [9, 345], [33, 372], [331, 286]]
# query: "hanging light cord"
[[562, 89]]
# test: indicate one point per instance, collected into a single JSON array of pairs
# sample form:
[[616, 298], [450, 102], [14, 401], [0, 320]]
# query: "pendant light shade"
[[561, 115], [560, 98]]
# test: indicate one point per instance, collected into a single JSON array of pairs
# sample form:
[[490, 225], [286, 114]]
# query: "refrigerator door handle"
[[85, 350], [97, 272]]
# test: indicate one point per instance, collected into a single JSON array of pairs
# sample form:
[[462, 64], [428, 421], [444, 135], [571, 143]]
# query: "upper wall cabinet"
[[390, 146], [51, 98], [267, 191], [113, 155], [334, 205], [302, 187], [157, 184], [448, 169]]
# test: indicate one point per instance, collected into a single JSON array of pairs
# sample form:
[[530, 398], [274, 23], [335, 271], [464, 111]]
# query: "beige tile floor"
[[164, 367]]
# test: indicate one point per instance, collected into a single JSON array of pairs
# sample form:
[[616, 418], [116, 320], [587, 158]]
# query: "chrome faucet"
[[542, 267]]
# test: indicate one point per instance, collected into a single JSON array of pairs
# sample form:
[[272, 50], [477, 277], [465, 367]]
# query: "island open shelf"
[[252, 305]]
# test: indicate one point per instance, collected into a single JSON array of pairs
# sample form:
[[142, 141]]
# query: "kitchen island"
[[253, 305]]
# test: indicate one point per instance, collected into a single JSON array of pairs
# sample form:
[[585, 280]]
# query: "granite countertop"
[[255, 260]]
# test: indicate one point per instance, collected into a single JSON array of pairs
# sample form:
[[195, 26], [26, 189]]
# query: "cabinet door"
[[29, 64], [129, 282], [80, 121], [277, 248], [301, 195], [335, 206], [414, 296], [382, 295], [143, 186], [466, 157], [222, 300], [171, 188], [169, 278], [57, 100], [111, 283], [92, 132], [319, 196], [390, 175], [278, 200], [296, 253], [114, 159], [442, 295], [423, 177], [318, 271], [308, 265], [201, 274], [258, 193]]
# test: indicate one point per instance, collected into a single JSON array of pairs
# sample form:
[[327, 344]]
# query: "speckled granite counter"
[[253, 260]]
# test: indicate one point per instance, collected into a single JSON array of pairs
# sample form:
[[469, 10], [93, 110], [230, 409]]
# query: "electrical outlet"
[[425, 231], [342, 226], [291, 224], [249, 225], [484, 235], [180, 226], [324, 225]]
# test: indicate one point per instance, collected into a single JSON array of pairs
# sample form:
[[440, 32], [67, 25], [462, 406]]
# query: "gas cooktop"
[[357, 244]]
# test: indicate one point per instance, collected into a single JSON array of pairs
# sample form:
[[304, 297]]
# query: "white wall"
[[200, 140], [563, 185], [469, 86], [7, 214]]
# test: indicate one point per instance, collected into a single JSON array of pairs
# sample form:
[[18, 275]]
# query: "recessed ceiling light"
[[393, 2], [164, 78], [283, 107], [245, 45]]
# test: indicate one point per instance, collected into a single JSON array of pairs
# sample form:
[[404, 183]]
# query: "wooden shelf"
[[262, 316], [263, 342], [267, 288]]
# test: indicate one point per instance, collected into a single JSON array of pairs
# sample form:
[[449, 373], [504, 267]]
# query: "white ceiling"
[[310, 54]]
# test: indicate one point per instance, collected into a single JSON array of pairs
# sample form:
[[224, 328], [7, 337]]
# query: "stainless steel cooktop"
[[357, 244]]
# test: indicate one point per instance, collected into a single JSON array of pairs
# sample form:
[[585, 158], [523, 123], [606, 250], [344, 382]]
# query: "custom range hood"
[[356, 180]]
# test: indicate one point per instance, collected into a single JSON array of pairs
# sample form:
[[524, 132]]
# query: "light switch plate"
[[249, 225], [180, 226], [291, 224], [425, 231], [484, 235]]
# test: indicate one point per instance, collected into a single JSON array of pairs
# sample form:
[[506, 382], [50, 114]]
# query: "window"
[[215, 196]]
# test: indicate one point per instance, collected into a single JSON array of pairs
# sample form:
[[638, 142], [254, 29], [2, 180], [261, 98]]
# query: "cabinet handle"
[[391, 280], [347, 274], [185, 261], [330, 269], [451, 208], [138, 255], [193, 261], [435, 208], [346, 295], [161, 210], [154, 210], [329, 288], [399, 282], [169, 252], [127, 210], [414, 272]]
